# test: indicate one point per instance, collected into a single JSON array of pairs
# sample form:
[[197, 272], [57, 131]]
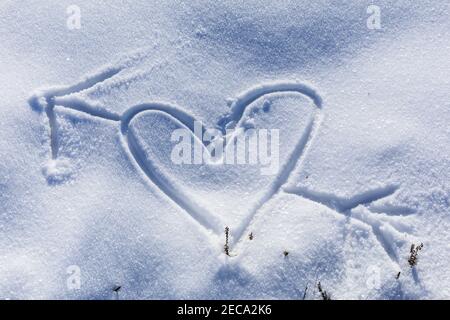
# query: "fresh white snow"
[[87, 182]]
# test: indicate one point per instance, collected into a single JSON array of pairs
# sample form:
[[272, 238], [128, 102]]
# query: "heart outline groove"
[[46, 100]]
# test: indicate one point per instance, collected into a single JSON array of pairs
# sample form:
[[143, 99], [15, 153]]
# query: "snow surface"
[[86, 178]]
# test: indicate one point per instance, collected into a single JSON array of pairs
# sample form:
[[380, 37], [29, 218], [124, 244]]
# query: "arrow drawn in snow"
[[47, 100]]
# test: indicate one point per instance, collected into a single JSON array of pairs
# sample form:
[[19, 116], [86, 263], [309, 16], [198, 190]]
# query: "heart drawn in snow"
[[215, 195]]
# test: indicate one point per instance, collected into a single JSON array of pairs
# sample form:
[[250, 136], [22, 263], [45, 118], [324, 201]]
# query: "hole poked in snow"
[[57, 171]]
